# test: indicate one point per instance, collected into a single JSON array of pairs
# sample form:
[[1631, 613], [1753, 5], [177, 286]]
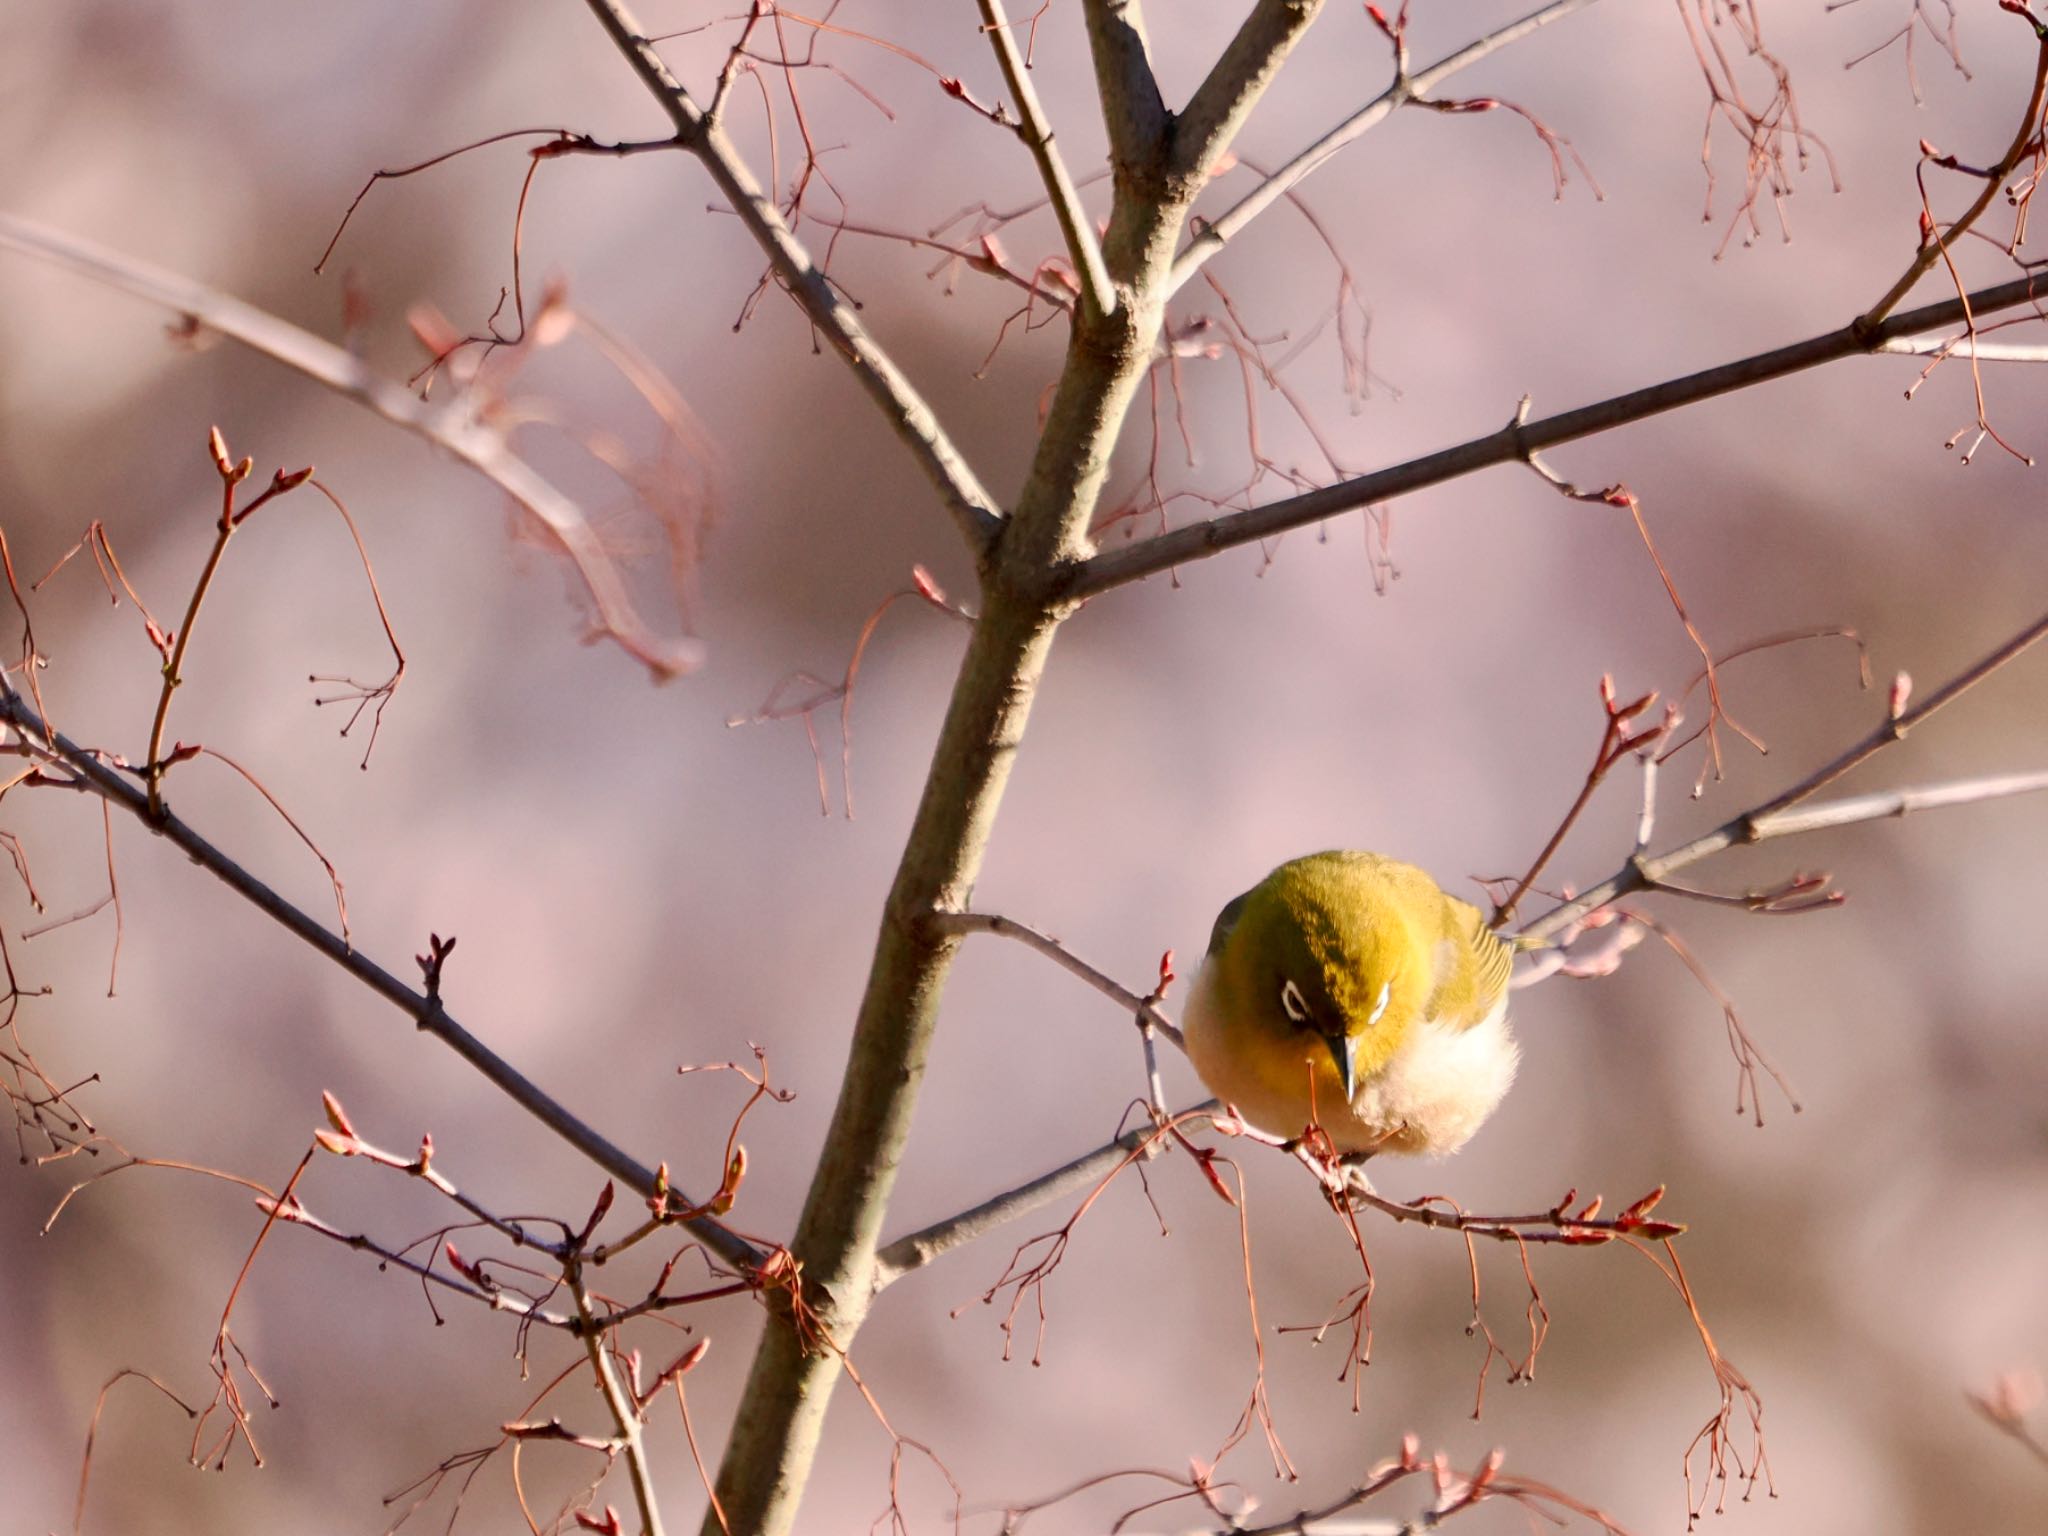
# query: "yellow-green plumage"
[[1354, 965]]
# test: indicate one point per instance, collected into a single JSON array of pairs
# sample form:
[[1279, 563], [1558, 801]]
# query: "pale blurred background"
[[636, 886]]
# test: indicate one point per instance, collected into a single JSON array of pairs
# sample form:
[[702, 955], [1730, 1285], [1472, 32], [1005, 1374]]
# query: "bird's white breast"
[[1440, 1086]]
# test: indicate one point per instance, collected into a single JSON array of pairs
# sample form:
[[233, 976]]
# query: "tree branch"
[[1212, 235], [1774, 818], [1209, 123], [1935, 245], [92, 769], [1098, 296], [1516, 442], [916, 1249], [1145, 1008], [618, 1399], [907, 411], [452, 426], [1133, 112]]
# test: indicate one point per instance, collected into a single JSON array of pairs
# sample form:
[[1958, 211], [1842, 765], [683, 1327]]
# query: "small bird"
[[1348, 990]]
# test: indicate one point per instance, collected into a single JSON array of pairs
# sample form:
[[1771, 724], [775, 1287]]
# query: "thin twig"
[[1935, 243], [916, 1249], [1212, 235], [1009, 928], [626, 1419], [1775, 818]]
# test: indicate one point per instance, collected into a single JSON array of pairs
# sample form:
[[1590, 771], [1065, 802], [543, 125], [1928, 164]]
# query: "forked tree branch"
[[453, 426], [618, 1401], [1935, 243], [1212, 235], [1035, 129], [1515, 442], [1776, 818], [96, 774], [899, 401], [781, 1414]]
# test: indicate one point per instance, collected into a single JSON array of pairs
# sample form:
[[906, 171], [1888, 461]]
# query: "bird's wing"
[[1472, 967]]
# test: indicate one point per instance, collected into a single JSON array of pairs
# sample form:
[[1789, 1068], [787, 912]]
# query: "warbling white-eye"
[[1348, 990]]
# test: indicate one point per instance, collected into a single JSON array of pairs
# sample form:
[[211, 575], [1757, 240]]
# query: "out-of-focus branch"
[[1133, 111], [452, 426], [94, 772], [1213, 235], [1035, 129], [1518, 440], [1966, 346], [1763, 825], [1776, 818], [906, 410], [1234, 85]]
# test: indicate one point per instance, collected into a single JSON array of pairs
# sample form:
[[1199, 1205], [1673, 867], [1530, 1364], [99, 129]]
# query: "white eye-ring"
[[1293, 1002], [1380, 1007]]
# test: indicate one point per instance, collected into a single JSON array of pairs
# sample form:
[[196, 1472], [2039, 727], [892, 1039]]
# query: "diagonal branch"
[[95, 774], [1097, 293], [1776, 818], [1209, 123], [916, 1249], [1515, 442], [452, 426], [907, 411], [1143, 1008], [1213, 235]]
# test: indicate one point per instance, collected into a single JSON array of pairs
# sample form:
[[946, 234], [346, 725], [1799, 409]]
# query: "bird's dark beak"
[[1344, 1051]]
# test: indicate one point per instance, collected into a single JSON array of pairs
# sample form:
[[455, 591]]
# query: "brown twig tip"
[[432, 962]]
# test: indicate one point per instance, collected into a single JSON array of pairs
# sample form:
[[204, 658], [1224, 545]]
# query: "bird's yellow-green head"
[[1339, 949]]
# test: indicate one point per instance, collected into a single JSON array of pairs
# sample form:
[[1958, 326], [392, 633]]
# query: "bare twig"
[[1213, 234], [916, 1249], [626, 1414], [1935, 243], [1775, 817], [1009, 928]]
